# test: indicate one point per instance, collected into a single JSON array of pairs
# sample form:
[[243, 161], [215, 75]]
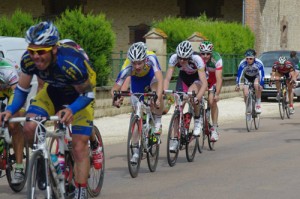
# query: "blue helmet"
[[250, 53], [44, 33]]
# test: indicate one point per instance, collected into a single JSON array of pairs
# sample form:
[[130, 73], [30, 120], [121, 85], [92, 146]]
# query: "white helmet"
[[282, 59], [137, 52], [184, 49]]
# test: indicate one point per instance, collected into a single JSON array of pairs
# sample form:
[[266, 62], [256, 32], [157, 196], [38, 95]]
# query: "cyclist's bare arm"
[[168, 77], [219, 82], [202, 77]]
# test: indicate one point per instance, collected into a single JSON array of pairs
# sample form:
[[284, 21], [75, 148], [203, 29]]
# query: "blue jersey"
[[254, 70], [70, 68]]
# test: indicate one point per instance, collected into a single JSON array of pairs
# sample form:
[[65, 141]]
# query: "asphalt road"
[[258, 164]]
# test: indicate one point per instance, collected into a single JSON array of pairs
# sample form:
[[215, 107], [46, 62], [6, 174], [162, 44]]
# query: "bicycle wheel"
[[249, 110], [10, 167], [153, 150], [203, 137], [134, 143], [173, 136], [255, 116], [96, 176], [286, 107], [33, 191], [191, 140], [281, 104]]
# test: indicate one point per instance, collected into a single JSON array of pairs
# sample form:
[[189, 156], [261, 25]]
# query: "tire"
[[249, 111], [11, 161], [135, 127], [33, 191], [96, 176], [281, 104], [153, 151], [191, 140], [255, 116], [287, 108], [173, 134], [202, 136]]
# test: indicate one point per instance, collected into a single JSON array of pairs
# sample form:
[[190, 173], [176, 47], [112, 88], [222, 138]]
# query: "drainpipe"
[[243, 20]]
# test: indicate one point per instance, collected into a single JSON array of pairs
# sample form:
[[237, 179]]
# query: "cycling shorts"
[[50, 100], [287, 75], [185, 80]]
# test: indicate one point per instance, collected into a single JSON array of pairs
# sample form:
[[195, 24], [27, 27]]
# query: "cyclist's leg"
[[197, 123], [257, 94], [157, 112], [81, 133], [290, 95], [278, 85], [214, 114]]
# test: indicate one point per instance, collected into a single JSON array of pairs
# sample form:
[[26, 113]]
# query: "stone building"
[[274, 22]]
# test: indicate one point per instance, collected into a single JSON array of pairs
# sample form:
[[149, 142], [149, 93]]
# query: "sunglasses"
[[205, 54], [184, 59], [249, 58], [39, 51]]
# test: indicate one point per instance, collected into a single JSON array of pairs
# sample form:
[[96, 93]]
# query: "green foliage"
[[17, 24], [94, 34], [228, 38]]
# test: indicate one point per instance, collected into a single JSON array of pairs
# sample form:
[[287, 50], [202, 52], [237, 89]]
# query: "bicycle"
[[59, 180], [8, 158], [251, 116], [141, 134], [181, 127], [283, 101]]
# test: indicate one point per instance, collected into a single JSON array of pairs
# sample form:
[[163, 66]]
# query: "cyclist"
[[145, 73], [295, 60], [70, 79], [253, 71], [214, 68], [283, 67], [8, 81], [191, 78]]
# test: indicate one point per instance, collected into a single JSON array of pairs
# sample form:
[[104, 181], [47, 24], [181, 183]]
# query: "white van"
[[13, 48]]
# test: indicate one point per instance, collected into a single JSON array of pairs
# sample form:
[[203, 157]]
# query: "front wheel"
[[249, 110], [34, 173], [153, 152], [134, 146], [96, 176], [173, 138], [281, 104]]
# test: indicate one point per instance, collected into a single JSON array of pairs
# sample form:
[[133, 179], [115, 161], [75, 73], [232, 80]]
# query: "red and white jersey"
[[283, 69]]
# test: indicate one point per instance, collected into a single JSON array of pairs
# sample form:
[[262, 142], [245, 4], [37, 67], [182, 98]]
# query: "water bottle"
[[61, 162], [56, 165]]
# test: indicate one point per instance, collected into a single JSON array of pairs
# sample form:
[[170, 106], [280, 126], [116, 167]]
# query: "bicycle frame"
[[40, 146]]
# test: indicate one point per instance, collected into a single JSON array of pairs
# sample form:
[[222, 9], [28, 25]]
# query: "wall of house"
[[275, 24], [35, 7], [124, 13]]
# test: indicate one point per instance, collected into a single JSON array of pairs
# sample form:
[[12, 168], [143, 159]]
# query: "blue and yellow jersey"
[[151, 66], [70, 68]]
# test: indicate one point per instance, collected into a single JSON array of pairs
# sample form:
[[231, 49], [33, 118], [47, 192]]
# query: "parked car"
[[268, 58], [13, 48]]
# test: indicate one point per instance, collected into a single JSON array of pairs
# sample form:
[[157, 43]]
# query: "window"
[[136, 33], [56, 7]]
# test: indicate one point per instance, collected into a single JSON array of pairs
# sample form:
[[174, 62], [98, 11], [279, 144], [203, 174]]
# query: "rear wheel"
[[134, 145], [173, 136], [153, 152], [287, 108]]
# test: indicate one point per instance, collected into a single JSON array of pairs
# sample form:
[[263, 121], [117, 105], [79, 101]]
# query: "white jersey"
[[194, 64], [8, 72]]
